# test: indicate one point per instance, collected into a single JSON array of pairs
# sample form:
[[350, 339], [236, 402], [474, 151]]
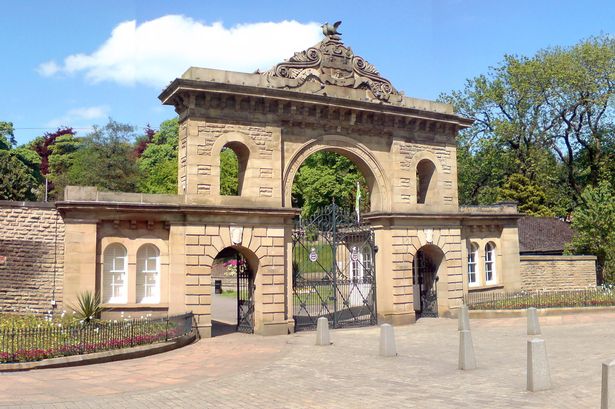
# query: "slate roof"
[[543, 235]]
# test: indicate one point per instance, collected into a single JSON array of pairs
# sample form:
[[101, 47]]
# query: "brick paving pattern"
[[241, 371]]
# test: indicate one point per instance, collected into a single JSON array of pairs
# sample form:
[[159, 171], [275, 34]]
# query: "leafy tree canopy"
[[594, 225]]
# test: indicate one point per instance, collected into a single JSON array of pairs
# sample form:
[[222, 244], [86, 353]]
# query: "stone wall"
[[557, 272], [404, 244], [263, 247], [32, 240]]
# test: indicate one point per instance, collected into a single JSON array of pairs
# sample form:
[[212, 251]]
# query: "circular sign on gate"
[[313, 255], [354, 255]]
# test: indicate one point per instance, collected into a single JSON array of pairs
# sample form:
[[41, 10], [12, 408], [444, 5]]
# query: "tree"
[[594, 225], [549, 118], [229, 172], [158, 160], [530, 197], [17, 181], [7, 137], [324, 177], [106, 159]]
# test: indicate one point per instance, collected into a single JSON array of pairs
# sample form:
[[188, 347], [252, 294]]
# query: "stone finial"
[[538, 373], [331, 30]]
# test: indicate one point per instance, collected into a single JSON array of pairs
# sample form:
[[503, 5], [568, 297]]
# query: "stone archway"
[[428, 267], [235, 310], [365, 161]]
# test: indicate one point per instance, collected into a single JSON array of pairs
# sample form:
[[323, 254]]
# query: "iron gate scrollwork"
[[333, 270], [245, 296]]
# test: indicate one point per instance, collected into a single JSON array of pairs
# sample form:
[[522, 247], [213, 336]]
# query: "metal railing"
[[33, 344], [591, 297]]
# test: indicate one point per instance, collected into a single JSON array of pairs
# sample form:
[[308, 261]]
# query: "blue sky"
[[75, 62]]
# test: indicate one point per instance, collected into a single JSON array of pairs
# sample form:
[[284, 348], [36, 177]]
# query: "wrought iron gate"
[[245, 296], [333, 270], [425, 286]]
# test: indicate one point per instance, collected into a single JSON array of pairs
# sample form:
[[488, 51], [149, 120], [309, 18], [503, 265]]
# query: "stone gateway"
[[417, 256]]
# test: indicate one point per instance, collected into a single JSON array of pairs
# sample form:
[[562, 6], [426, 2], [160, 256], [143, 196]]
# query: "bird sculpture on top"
[[331, 30]]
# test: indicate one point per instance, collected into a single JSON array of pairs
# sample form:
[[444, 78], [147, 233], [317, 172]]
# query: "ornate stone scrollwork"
[[331, 62]]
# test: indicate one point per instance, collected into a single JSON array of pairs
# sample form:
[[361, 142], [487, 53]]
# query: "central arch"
[[365, 161]]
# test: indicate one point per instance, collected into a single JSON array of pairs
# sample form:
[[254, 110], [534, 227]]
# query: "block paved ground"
[[246, 371]]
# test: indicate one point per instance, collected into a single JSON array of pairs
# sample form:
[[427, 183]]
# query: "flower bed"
[[594, 297], [28, 339]]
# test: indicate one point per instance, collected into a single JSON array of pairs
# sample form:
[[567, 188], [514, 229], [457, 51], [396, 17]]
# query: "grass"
[[301, 258]]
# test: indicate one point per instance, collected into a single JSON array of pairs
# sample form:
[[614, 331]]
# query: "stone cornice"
[[464, 218], [189, 96], [156, 209]]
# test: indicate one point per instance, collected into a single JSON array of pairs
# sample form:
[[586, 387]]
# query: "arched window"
[[148, 274], [233, 165], [490, 263], [425, 181], [115, 266], [472, 265]]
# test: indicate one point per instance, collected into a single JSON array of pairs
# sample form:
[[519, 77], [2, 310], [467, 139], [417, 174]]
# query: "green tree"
[[328, 176], [17, 181], [229, 172], [106, 159], [549, 118], [530, 197], [7, 136], [158, 160], [594, 225]]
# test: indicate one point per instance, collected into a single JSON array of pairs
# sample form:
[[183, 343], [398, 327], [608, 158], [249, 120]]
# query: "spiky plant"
[[88, 306]]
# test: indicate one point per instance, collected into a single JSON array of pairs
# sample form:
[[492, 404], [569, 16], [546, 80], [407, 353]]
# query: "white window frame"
[[473, 265], [490, 258], [119, 292], [144, 270]]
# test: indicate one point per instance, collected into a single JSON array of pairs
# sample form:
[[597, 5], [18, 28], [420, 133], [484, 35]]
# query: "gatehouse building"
[[414, 254]]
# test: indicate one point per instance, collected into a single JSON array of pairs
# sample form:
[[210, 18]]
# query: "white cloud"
[[49, 68], [79, 116], [157, 51]]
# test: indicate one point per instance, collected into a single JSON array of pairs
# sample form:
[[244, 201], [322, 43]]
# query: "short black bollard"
[[218, 286]]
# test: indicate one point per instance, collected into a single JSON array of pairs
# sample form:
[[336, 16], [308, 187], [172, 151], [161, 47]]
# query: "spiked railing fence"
[[34, 344], [591, 297]]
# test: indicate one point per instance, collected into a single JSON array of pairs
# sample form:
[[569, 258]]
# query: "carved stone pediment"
[[330, 62]]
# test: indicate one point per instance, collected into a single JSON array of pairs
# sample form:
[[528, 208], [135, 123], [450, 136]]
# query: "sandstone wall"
[[557, 272], [32, 240]]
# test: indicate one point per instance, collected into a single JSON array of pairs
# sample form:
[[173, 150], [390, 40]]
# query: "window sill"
[[488, 287], [112, 306]]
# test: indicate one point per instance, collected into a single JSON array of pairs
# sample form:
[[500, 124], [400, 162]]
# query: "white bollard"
[[387, 341], [467, 360], [322, 331], [533, 326], [608, 385], [464, 319], [538, 373]]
